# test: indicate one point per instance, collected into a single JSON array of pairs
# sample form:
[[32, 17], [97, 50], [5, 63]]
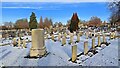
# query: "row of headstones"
[[38, 44], [74, 48], [71, 37], [19, 43], [64, 36]]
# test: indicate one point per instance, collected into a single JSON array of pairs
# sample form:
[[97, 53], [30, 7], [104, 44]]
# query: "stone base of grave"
[[106, 43], [38, 52], [93, 51], [35, 57]]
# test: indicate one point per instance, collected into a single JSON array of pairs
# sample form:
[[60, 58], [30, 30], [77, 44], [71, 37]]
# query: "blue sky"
[[57, 11]]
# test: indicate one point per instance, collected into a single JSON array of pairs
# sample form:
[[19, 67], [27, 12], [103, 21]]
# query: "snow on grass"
[[59, 55]]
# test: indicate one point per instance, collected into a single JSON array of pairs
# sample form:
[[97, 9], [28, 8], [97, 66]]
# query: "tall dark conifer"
[[74, 23], [33, 22]]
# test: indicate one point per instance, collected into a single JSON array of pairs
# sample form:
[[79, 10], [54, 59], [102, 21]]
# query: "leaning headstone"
[[63, 41], [99, 43], [93, 43], [74, 53], [38, 45], [85, 47]]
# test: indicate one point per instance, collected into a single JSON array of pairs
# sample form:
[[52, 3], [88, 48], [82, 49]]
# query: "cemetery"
[[69, 49], [76, 43]]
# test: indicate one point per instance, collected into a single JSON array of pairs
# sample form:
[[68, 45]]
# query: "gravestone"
[[19, 42], [74, 53], [87, 35], [52, 37], [46, 36], [111, 35], [63, 41], [93, 43], [104, 39], [24, 43], [99, 43], [114, 35], [78, 37], [65, 35], [71, 38], [0, 35], [85, 47], [59, 37], [38, 45], [14, 42]]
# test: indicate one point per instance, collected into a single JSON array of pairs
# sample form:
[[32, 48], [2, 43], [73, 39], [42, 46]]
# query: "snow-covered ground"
[[59, 55]]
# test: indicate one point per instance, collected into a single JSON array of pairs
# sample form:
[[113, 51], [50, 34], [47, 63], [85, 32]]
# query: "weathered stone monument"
[[74, 53], [93, 43], [38, 45], [85, 47]]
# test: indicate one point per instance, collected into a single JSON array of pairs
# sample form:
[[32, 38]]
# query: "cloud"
[[66, 1], [24, 7]]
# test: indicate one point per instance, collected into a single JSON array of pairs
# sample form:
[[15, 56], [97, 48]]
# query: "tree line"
[[32, 24]]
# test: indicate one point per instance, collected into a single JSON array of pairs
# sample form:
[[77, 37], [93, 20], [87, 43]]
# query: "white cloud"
[[24, 7], [56, 0]]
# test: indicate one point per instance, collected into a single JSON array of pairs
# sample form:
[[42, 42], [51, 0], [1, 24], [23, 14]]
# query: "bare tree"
[[115, 12]]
